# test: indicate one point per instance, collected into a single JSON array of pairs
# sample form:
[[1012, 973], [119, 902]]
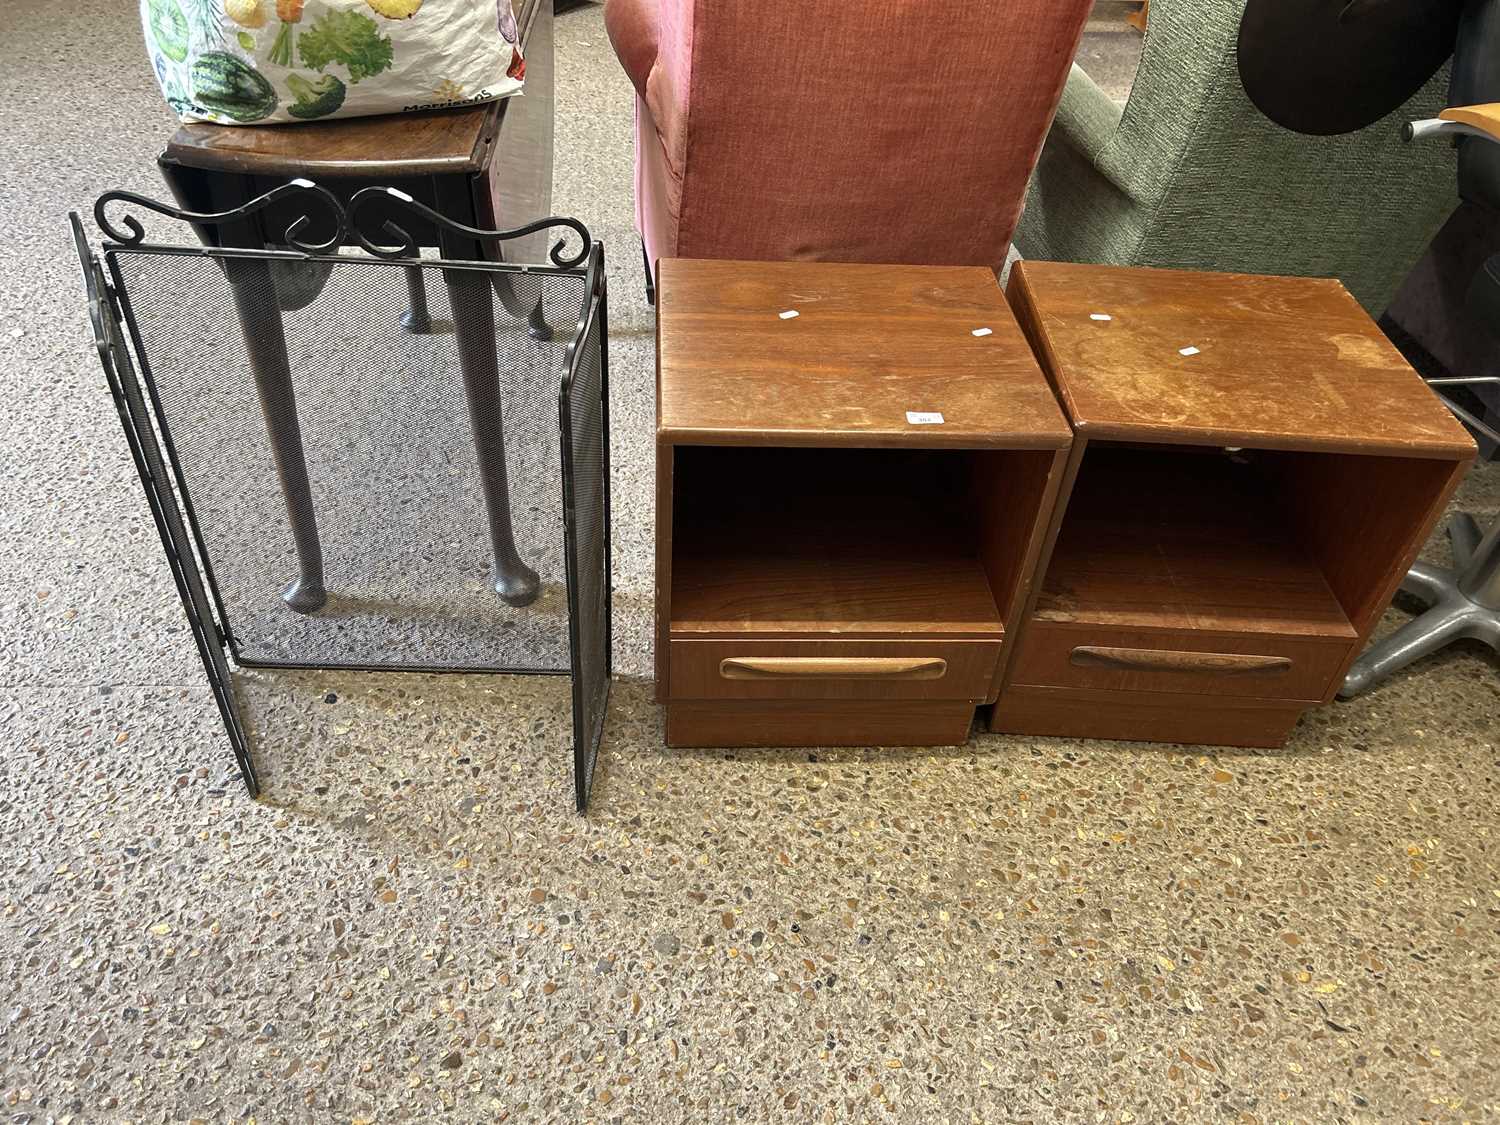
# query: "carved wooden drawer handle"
[[1162, 660], [832, 668]]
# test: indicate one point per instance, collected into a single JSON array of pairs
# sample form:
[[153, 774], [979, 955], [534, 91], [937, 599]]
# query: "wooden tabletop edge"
[[1436, 449], [917, 438]]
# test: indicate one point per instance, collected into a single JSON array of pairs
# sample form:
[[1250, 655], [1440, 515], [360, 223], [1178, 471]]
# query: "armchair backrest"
[[1226, 188], [874, 130]]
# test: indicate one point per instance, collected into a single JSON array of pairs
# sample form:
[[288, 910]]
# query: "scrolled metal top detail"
[[135, 234], [406, 246], [125, 231]]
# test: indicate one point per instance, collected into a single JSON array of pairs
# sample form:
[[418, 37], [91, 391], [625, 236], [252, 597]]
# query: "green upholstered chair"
[[1192, 176]]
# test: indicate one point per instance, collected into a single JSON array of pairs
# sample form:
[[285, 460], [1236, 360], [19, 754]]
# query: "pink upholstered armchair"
[[845, 130]]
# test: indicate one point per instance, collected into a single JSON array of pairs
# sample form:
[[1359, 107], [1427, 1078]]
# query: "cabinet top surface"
[[1231, 359], [869, 346]]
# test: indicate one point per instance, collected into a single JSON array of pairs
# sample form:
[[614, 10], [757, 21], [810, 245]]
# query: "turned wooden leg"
[[515, 293], [416, 318], [474, 325], [265, 342]]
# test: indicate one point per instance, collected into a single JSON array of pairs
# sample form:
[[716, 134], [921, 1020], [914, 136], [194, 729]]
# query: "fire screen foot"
[[516, 583], [305, 596]]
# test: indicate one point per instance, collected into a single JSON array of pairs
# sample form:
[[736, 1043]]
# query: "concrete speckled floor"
[[414, 923]]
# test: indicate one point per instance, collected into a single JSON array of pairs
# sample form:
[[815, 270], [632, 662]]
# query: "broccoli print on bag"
[[347, 38], [251, 62]]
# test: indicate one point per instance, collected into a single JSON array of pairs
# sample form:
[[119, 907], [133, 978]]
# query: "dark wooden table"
[[849, 503], [487, 166], [1254, 468]]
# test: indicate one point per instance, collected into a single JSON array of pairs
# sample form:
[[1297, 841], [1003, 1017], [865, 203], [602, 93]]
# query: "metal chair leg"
[[1465, 603], [265, 341], [1463, 533], [1426, 583], [1419, 637], [474, 325], [1479, 580]]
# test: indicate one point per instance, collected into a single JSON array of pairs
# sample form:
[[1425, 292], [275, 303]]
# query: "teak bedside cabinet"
[[1254, 468], [852, 487]]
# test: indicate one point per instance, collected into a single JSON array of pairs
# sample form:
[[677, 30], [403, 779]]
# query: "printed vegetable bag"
[[259, 62]]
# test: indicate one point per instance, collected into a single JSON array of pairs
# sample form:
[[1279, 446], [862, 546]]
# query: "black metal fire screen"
[[369, 460]]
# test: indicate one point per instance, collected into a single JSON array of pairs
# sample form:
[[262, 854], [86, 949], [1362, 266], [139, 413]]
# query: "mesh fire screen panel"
[[370, 462], [393, 497], [585, 424]]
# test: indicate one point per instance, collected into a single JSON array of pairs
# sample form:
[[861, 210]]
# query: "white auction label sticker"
[[788, 314], [1100, 316], [1187, 351], [924, 418], [982, 331]]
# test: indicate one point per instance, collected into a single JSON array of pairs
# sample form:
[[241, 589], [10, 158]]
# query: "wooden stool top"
[[876, 355], [1196, 358], [430, 142]]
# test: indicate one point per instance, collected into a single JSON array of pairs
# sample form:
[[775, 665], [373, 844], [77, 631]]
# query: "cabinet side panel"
[[1363, 519], [664, 469], [1012, 500]]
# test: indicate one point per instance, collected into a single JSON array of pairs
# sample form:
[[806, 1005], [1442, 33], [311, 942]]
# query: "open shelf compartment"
[[1186, 538], [849, 543], [1207, 595], [840, 596]]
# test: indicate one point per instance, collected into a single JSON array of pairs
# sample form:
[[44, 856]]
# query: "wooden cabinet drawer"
[[779, 669], [1245, 665]]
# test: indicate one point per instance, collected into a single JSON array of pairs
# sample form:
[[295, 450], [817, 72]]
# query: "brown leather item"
[[1325, 67]]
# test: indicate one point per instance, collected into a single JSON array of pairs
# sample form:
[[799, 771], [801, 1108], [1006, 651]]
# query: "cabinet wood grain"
[[1254, 468], [850, 499]]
